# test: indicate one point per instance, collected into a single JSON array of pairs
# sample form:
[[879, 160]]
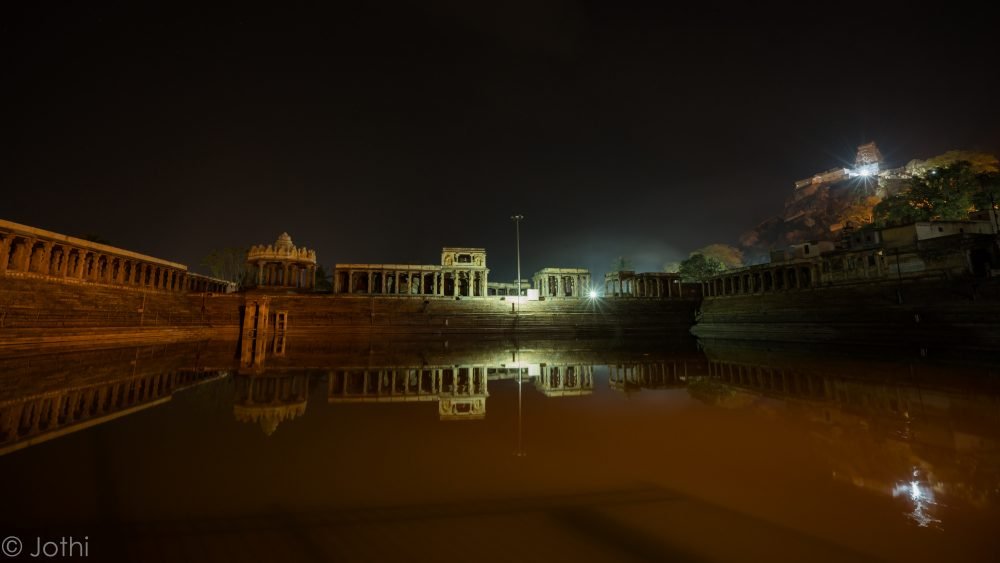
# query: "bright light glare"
[[866, 172], [593, 294]]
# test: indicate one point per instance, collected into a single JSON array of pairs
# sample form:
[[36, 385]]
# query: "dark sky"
[[381, 134]]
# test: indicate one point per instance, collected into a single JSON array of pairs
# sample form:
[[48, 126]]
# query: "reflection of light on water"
[[922, 497]]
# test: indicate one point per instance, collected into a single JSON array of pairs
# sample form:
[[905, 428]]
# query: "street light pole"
[[517, 235]]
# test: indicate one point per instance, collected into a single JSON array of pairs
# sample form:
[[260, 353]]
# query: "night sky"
[[381, 134]]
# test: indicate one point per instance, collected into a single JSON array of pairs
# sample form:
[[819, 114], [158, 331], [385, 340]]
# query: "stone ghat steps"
[[315, 311], [931, 313], [30, 303], [921, 303], [31, 341]]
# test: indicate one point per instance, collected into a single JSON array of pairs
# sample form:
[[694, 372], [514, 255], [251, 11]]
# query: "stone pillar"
[[45, 260], [5, 252], [18, 259], [8, 253], [34, 259], [79, 267], [63, 262]]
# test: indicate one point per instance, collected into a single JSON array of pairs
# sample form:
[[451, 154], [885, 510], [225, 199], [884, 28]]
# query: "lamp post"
[[517, 236]]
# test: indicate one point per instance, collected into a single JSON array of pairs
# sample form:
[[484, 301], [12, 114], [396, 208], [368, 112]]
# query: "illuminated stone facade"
[[572, 283], [282, 265], [462, 273], [502, 289], [651, 285]]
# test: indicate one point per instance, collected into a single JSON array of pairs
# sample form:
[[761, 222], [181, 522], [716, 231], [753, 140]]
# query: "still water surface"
[[432, 450]]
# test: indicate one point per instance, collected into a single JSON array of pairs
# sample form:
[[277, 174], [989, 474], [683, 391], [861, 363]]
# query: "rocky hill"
[[817, 211]]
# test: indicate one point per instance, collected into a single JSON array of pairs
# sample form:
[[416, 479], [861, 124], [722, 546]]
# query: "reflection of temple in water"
[[270, 399], [565, 381], [653, 375], [459, 391], [914, 431], [32, 419]]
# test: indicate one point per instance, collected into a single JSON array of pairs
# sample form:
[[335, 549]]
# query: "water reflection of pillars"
[[270, 399], [257, 325], [36, 418], [520, 423], [654, 375]]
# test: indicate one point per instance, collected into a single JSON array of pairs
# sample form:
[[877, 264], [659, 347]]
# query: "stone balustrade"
[[29, 251]]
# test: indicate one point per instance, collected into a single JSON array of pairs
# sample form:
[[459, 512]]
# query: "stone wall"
[[922, 313]]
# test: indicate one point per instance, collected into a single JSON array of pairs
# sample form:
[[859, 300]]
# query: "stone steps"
[[27, 303]]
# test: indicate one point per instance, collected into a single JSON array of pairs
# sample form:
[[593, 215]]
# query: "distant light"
[[593, 294], [865, 172]]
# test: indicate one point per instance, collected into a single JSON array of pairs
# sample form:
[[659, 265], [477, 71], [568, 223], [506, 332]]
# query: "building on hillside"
[[921, 250], [905, 235]]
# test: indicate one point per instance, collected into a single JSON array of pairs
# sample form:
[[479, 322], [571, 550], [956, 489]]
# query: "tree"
[[621, 264], [698, 267], [323, 279], [729, 256], [979, 162], [861, 212], [947, 193], [228, 264]]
